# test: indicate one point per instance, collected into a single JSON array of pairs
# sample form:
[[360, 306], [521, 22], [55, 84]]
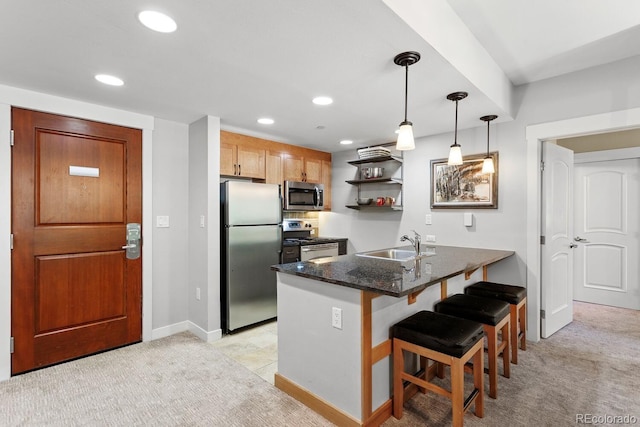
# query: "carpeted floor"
[[175, 381], [591, 367]]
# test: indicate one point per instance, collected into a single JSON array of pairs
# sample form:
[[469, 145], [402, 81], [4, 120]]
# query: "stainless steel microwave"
[[303, 196]]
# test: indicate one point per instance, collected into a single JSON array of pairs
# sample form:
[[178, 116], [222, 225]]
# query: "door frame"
[[9, 97], [535, 134]]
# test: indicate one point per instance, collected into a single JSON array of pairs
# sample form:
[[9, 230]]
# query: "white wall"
[[170, 198], [604, 89], [204, 241]]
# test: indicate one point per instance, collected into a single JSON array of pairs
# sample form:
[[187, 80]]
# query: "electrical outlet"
[[336, 317], [198, 294], [201, 221], [430, 238]]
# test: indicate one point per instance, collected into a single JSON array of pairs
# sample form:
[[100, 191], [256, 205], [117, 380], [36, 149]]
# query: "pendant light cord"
[[406, 89], [488, 138], [455, 135]]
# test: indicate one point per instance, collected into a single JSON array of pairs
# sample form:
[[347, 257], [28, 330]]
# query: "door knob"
[[580, 239]]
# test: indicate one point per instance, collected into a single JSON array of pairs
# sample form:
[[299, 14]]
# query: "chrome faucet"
[[415, 241]]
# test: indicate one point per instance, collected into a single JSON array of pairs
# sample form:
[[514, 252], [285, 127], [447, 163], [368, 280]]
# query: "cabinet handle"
[[239, 171], [235, 168]]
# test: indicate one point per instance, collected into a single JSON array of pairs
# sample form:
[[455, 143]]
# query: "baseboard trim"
[[202, 334], [186, 326], [315, 403], [169, 330]]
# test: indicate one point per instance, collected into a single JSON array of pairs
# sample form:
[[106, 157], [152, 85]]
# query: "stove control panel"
[[296, 225]]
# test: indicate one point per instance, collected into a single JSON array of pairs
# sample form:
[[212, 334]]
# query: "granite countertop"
[[392, 277]]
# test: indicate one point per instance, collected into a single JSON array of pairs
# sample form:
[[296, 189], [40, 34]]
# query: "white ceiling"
[[244, 59]]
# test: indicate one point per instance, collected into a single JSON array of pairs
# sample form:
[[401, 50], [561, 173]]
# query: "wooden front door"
[[75, 186]]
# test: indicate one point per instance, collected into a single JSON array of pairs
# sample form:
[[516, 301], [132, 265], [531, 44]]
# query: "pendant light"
[[455, 153], [487, 164], [405, 133]]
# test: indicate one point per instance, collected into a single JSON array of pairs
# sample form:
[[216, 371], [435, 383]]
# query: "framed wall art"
[[464, 186]]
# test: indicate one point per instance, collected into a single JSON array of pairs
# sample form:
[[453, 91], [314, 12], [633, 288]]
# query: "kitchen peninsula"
[[334, 316]]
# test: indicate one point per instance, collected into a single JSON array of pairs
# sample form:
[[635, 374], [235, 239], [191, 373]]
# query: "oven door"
[[322, 250]]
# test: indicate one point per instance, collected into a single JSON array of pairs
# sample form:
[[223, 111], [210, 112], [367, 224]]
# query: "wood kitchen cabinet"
[[301, 168], [274, 168], [326, 181], [242, 161]]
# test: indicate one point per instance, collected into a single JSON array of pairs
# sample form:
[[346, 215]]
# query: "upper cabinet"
[[302, 168], [273, 162], [242, 161]]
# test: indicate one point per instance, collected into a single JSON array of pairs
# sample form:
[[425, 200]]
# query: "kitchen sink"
[[392, 254]]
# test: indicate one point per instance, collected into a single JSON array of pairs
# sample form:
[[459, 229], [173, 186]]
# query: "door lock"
[[572, 245], [133, 241]]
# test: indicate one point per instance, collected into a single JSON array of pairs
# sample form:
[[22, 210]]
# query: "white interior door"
[[557, 249], [607, 259]]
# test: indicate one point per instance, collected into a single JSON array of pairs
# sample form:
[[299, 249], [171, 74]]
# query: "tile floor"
[[255, 348]]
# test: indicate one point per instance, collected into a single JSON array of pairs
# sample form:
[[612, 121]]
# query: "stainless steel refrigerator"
[[251, 242]]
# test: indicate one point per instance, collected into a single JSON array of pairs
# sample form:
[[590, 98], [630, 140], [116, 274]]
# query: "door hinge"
[[542, 240], [11, 136], [11, 241], [11, 345], [541, 166], [542, 314]]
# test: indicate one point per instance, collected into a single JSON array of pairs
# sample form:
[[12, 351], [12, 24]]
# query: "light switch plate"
[[427, 219], [468, 219], [162, 221]]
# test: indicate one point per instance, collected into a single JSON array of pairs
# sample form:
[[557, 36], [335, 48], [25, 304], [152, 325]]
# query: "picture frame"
[[464, 186]]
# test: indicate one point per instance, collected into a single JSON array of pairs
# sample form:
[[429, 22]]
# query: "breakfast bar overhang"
[[334, 316]]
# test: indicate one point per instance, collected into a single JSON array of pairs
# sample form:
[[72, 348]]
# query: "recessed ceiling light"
[[109, 80], [346, 142], [322, 100], [265, 121], [157, 21]]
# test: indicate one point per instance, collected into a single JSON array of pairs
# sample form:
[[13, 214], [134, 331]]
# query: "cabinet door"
[[228, 161], [326, 181], [274, 168], [251, 162], [313, 170], [293, 168]]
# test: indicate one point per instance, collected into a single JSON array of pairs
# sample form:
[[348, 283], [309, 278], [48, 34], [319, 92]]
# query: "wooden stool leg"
[[492, 339], [523, 325], [506, 331], [478, 381], [424, 367], [514, 332], [398, 389], [457, 391]]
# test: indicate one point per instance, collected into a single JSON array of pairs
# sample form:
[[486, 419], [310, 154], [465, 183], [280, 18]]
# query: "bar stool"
[[516, 296], [445, 339], [494, 315]]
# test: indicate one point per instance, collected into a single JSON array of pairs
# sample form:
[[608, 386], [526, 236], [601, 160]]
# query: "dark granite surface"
[[392, 277]]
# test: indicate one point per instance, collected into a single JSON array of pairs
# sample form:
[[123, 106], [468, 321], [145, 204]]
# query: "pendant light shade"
[[455, 153], [405, 133], [487, 164]]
